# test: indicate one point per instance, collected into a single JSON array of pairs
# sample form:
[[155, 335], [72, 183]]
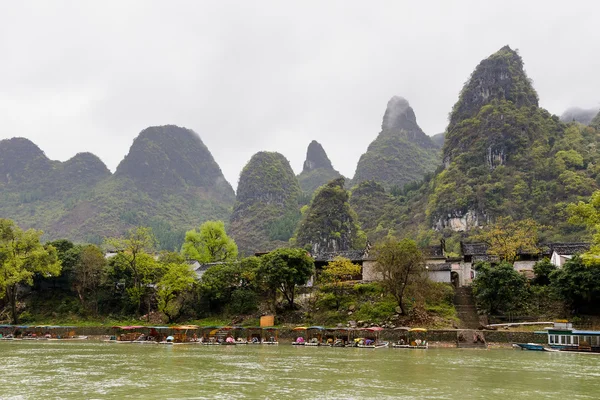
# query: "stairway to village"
[[468, 336], [465, 308]]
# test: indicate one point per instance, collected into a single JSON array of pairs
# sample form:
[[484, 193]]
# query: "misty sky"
[[259, 75]]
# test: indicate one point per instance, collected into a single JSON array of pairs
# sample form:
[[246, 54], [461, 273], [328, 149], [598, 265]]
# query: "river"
[[95, 370]]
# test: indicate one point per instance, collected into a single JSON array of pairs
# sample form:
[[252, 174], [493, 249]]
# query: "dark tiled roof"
[[352, 255], [433, 251], [439, 267], [471, 249], [485, 258], [569, 248]]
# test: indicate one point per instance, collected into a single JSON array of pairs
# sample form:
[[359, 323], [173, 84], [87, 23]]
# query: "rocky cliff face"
[[583, 116], [401, 153], [503, 154], [330, 224], [266, 204], [317, 169]]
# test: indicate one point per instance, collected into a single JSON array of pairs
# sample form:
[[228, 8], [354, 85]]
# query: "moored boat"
[[371, 339], [531, 346], [562, 337]]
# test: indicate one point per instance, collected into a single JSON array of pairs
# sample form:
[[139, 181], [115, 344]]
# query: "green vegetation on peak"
[[169, 181], [266, 209], [401, 153], [596, 122], [330, 224], [163, 157], [499, 77], [317, 169]]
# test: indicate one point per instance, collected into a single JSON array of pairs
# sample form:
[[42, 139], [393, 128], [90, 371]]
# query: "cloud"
[[270, 75]]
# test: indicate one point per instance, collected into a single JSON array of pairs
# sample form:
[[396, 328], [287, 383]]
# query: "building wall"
[[369, 273], [524, 265], [439, 276]]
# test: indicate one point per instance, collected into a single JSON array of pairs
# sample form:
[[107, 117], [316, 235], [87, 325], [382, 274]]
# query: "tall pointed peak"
[[398, 115], [499, 77], [316, 157]]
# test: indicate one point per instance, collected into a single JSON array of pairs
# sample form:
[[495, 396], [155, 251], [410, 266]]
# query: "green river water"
[[96, 370]]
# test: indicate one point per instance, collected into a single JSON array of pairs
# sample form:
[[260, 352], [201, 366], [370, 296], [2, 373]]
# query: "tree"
[[88, 275], [209, 243], [578, 284], [177, 280], [400, 263], [500, 289], [220, 284], [506, 238], [284, 269], [542, 270], [133, 256], [335, 273], [21, 257], [588, 214]]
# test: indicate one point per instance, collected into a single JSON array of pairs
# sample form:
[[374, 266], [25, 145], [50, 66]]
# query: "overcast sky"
[[255, 75]]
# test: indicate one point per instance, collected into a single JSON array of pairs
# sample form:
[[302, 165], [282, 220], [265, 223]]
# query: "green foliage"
[[209, 244], [282, 229], [500, 289], [178, 279], [330, 223], [578, 284], [219, 284], [284, 269], [21, 257], [267, 200], [134, 265], [394, 159], [400, 264], [506, 238], [333, 276], [168, 181], [88, 276], [542, 270]]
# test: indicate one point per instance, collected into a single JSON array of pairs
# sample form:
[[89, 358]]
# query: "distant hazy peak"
[[583, 116], [316, 157], [398, 115]]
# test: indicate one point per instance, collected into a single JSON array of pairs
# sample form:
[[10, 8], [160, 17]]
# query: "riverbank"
[[438, 338]]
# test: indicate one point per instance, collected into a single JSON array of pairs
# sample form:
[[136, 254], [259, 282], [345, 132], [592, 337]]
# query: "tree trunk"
[[11, 293]]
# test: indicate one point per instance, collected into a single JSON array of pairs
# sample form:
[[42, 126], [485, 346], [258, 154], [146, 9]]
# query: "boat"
[[371, 339], [314, 335], [562, 337], [126, 334], [210, 335], [270, 335], [413, 338], [232, 336], [300, 333], [254, 335], [531, 346], [339, 337], [183, 334]]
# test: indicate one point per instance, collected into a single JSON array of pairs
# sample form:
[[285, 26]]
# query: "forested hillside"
[[169, 181], [266, 209], [401, 153], [503, 156]]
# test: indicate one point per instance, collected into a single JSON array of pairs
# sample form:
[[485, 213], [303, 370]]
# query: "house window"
[[575, 340]]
